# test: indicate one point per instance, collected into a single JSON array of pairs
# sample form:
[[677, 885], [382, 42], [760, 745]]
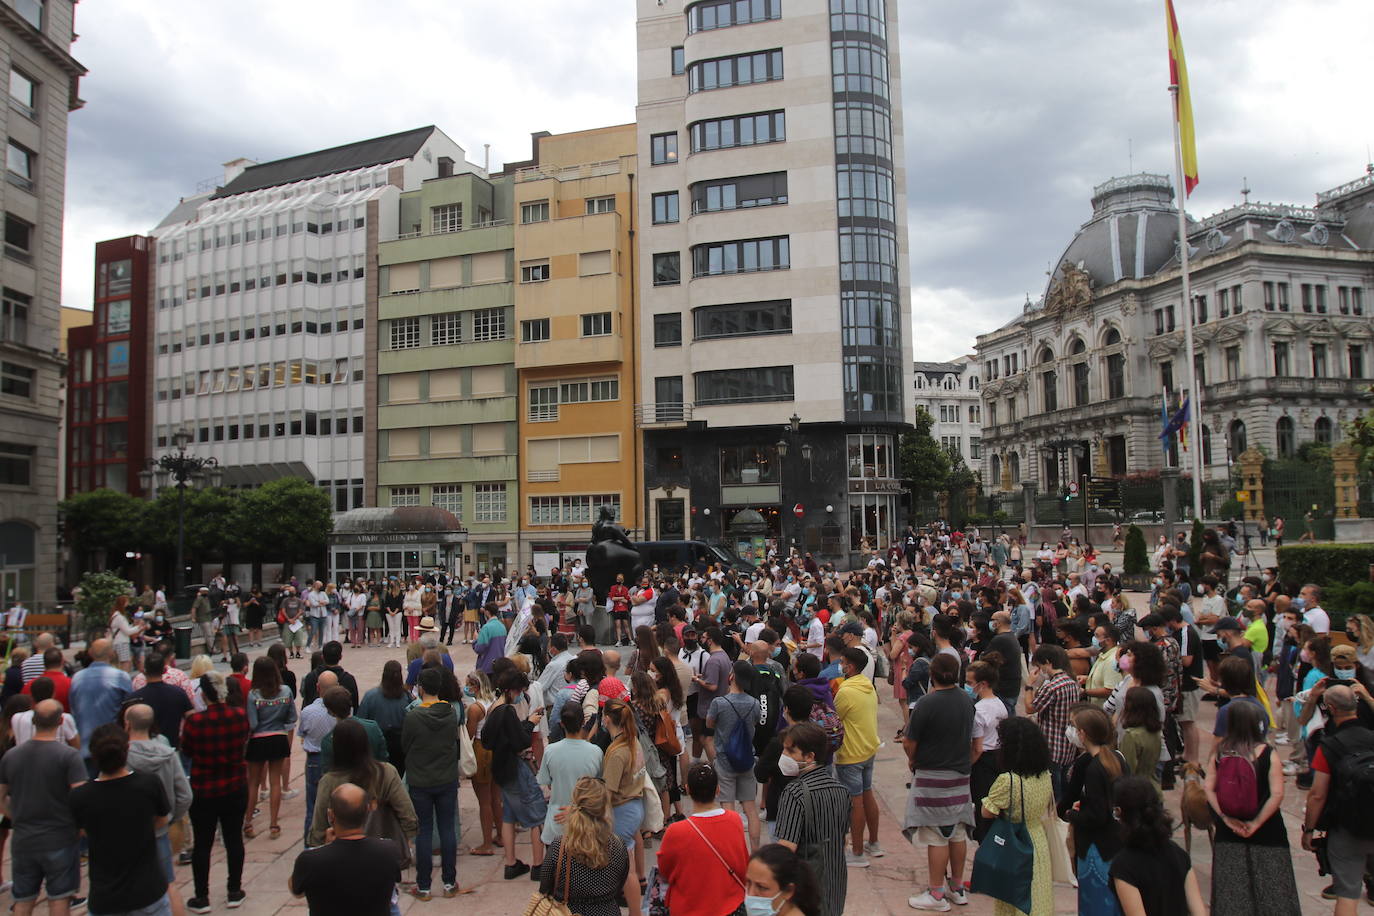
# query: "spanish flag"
[[1183, 101]]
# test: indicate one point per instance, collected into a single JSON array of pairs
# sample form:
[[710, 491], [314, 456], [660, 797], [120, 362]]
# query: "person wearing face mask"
[[813, 814], [1087, 805], [988, 712], [1052, 693], [779, 883]]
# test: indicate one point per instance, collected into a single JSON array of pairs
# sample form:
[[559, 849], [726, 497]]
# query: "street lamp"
[[181, 467], [791, 430]]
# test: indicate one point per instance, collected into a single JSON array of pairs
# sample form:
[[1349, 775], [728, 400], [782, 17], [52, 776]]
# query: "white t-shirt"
[[815, 638], [987, 713], [1317, 619], [752, 634], [21, 726]]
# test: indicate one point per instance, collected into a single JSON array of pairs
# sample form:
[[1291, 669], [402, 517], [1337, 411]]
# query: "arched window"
[[920, 381], [1049, 389], [951, 383], [1077, 346], [1015, 462], [1046, 356], [1081, 395], [1287, 442], [973, 383], [997, 471], [1113, 337], [1236, 434], [1206, 445], [1323, 430]]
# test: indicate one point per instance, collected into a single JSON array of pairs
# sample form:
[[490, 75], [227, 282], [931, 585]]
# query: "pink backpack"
[[1237, 786]]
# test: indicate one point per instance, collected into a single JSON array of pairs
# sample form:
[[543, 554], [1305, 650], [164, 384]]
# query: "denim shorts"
[[857, 778], [164, 854], [627, 820], [59, 868]]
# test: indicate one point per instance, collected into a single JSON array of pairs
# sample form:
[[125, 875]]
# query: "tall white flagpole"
[[1194, 391]]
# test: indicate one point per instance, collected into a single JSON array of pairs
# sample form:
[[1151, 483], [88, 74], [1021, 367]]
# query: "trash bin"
[[182, 638]]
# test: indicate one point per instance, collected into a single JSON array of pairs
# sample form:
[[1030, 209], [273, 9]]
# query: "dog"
[[1193, 805]]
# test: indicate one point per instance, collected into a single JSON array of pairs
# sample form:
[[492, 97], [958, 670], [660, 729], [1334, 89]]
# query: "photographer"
[[1341, 798]]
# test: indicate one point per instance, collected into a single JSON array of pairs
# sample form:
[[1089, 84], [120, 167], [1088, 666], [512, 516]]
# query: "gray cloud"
[[1014, 110]]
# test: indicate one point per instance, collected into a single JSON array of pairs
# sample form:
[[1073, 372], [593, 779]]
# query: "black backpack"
[[1352, 777]]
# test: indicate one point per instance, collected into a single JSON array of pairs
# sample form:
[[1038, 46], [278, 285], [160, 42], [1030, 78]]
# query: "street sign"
[[1242, 496], [1073, 488], [798, 511]]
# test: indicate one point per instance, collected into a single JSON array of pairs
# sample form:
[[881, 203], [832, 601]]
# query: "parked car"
[[1148, 515]]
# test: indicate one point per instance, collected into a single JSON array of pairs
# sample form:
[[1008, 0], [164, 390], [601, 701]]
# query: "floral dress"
[[1008, 794]]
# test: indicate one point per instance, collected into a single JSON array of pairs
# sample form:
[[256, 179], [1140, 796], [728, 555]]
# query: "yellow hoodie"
[[856, 702]]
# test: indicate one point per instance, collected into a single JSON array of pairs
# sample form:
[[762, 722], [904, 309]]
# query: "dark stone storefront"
[[754, 488]]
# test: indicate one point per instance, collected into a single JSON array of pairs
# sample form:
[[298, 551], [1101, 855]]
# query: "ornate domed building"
[[1284, 342]]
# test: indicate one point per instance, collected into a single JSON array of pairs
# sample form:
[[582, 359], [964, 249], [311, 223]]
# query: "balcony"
[[570, 173], [576, 351], [664, 415]]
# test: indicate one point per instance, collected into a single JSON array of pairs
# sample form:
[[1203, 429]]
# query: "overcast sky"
[[1014, 110]]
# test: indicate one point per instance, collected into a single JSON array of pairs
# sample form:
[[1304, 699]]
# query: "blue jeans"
[[313, 769], [436, 804], [316, 638]]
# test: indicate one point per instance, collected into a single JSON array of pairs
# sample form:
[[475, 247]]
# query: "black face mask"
[[690, 646]]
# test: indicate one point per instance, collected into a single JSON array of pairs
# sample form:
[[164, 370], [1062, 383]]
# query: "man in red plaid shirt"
[[214, 741], [1053, 692]]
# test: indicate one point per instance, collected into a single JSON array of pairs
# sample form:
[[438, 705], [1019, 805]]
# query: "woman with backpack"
[[1252, 867]]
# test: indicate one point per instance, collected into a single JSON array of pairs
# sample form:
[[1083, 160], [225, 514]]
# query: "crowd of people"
[[726, 718]]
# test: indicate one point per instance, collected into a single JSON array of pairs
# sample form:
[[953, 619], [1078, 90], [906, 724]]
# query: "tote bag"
[[1004, 866]]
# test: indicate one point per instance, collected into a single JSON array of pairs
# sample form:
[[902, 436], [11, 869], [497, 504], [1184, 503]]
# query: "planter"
[[1137, 582]]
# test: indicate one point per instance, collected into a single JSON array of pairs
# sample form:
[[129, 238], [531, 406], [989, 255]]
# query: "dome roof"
[[378, 521], [1131, 235]]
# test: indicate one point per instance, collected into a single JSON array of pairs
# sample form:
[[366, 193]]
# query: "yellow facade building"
[[575, 334]]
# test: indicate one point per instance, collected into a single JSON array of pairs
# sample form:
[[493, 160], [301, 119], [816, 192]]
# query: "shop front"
[[379, 543]]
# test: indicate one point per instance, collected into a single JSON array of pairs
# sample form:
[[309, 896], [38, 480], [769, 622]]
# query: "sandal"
[[274, 831], [482, 851], [249, 832]]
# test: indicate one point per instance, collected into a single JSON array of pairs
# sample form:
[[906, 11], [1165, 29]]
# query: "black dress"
[[590, 891], [1253, 876]]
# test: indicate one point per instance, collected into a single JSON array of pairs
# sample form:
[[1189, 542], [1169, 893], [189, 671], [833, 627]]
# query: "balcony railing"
[[466, 227], [571, 172], [664, 413]]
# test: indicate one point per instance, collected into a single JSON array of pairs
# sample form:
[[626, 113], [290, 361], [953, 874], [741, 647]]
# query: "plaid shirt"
[[214, 741], [1173, 671], [1051, 703]]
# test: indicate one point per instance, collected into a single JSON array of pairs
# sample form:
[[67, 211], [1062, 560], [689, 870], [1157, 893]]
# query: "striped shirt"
[[813, 813]]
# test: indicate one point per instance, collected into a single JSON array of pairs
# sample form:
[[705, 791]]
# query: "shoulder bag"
[[1004, 866], [542, 904]]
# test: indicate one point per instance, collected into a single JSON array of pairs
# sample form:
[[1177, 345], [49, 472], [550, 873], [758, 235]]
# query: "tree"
[[98, 593], [105, 521], [286, 518], [925, 466], [1135, 561], [207, 521]]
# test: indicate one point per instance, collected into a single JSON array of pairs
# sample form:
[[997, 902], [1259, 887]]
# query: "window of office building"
[[736, 70], [871, 456], [668, 330], [14, 316], [596, 324], [446, 218], [741, 130], [744, 256], [722, 14], [534, 212], [663, 148], [405, 333], [744, 465], [446, 328], [447, 496], [739, 193], [405, 496], [665, 207], [667, 268], [597, 205], [744, 385], [534, 330], [489, 502], [858, 66], [743, 319]]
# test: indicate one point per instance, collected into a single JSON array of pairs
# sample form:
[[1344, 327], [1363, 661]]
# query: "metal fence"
[[1293, 489]]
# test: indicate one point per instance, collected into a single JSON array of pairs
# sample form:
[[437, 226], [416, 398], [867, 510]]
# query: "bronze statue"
[[611, 552]]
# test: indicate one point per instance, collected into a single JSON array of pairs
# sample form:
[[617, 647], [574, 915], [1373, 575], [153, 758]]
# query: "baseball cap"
[[1229, 623]]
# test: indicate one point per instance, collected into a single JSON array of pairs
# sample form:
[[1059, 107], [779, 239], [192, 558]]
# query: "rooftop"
[[350, 156]]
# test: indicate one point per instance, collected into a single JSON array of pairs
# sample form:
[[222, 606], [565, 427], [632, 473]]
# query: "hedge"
[[1325, 564]]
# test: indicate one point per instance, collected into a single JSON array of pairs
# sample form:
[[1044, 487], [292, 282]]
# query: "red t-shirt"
[[245, 685], [620, 598], [61, 687], [689, 865]]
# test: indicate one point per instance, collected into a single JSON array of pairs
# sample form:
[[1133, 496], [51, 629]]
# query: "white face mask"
[[1071, 732], [788, 766]]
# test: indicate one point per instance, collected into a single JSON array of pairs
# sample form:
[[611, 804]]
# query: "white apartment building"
[[775, 367], [264, 288], [949, 393]]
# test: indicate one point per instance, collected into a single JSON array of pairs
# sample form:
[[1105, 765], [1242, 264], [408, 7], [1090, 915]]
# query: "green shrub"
[[98, 593], [1340, 601], [1137, 558], [1325, 564]]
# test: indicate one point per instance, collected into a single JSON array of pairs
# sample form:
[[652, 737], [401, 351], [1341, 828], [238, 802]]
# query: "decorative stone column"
[[1168, 478], [1252, 482], [1028, 503], [1100, 466], [1343, 460]]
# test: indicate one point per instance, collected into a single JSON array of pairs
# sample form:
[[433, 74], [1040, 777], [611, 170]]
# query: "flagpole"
[[1195, 393]]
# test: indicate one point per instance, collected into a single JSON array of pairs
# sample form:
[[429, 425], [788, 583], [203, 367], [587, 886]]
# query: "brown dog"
[[1193, 805]]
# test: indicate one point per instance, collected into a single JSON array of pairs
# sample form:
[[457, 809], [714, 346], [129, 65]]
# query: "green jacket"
[[375, 738], [200, 610], [429, 737]]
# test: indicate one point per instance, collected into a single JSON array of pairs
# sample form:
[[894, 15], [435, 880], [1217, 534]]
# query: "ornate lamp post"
[[183, 468], [791, 430]]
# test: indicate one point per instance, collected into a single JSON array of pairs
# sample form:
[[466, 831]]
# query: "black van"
[[673, 555]]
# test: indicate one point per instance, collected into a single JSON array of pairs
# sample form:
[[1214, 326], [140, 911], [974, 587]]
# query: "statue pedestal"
[[601, 622]]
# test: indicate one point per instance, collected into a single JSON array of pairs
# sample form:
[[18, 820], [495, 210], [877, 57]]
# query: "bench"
[[60, 625]]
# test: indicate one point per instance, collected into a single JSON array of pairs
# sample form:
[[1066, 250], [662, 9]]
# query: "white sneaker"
[[290, 793], [873, 850], [956, 895], [1290, 769], [928, 901], [1281, 739], [854, 861]]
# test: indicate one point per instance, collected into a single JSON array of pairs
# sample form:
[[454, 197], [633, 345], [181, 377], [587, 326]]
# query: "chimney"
[[445, 166], [236, 167], [486, 157]]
